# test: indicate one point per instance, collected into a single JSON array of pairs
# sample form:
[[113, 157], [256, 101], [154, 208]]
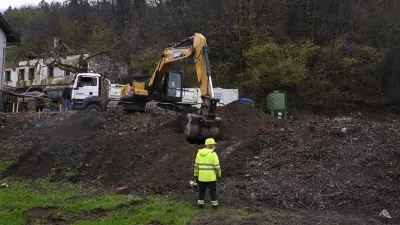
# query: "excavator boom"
[[197, 50]]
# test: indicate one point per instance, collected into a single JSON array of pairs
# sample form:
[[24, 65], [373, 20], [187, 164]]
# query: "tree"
[[278, 66], [354, 39]]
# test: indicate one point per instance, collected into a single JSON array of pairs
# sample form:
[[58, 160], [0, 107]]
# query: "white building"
[[39, 72], [42, 71], [7, 37]]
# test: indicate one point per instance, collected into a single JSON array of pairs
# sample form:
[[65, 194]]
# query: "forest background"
[[326, 54]]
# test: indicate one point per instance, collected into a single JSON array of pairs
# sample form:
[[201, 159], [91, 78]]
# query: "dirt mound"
[[343, 164], [146, 152], [241, 120], [315, 163], [15, 123], [149, 154], [53, 140]]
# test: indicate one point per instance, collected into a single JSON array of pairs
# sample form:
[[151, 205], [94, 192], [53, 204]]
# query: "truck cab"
[[90, 91]]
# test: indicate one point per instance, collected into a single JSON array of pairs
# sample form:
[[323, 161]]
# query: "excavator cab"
[[168, 92], [173, 87], [170, 88]]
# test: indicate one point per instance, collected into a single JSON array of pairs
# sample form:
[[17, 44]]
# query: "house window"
[[51, 71], [8, 76], [67, 73], [31, 73], [21, 74]]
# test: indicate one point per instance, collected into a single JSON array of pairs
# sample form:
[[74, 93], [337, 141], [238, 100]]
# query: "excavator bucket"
[[204, 124], [196, 129]]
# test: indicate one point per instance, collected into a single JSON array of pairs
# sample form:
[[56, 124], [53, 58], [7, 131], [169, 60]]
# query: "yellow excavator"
[[163, 90]]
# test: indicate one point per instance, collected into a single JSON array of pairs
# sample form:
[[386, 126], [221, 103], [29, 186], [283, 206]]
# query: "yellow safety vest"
[[207, 167]]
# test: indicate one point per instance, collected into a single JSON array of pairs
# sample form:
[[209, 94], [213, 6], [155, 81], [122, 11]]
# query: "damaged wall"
[[39, 72], [42, 72]]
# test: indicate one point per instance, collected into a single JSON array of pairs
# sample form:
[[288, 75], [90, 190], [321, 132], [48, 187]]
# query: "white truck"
[[192, 96], [90, 91]]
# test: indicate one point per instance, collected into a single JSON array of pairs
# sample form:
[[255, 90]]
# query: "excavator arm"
[[197, 50]]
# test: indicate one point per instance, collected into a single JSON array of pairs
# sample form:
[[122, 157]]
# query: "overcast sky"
[[15, 3]]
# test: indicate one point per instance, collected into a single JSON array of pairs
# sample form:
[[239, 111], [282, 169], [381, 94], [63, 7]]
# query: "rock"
[[385, 214], [122, 190], [130, 197], [343, 130], [4, 185]]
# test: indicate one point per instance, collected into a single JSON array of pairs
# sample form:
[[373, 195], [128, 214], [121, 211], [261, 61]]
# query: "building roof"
[[10, 35]]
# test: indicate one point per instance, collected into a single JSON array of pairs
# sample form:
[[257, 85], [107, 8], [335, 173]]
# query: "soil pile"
[[149, 153], [343, 164], [323, 163], [15, 123], [241, 120]]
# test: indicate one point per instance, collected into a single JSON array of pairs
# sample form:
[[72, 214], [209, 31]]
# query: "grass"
[[26, 195], [81, 206], [106, 202], [394, 173], [157, 209], [5, 165], [67, 201], [8, 156], [15, 217]]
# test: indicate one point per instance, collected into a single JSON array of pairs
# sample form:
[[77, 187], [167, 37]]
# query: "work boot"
[[215, 206], [201, 206]]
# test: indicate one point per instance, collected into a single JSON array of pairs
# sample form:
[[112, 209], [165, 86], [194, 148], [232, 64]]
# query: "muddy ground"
[[344, 166]]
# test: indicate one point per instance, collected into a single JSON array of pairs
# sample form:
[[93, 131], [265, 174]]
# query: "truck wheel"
[[94, 107]]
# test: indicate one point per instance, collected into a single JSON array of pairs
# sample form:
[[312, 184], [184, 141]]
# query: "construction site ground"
[[309, 170]]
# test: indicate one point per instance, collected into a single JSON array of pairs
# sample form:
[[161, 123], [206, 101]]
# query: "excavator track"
[[155, 108]]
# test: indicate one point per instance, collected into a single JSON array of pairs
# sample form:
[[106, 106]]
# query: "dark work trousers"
[[212, 186]]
